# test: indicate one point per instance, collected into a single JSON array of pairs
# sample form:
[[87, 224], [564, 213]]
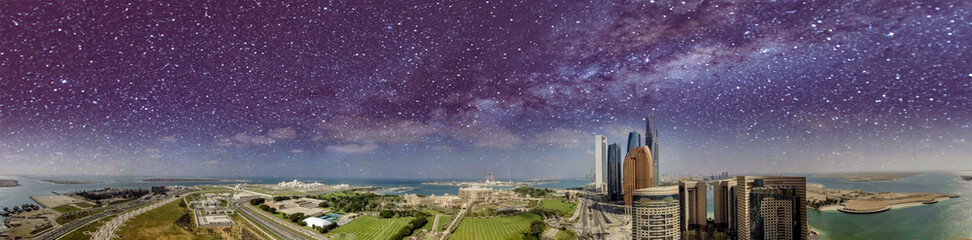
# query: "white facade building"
[[600, 162]]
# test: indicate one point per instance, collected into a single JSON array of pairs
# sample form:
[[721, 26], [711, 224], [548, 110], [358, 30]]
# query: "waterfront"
[[948, 219], [34, 185]]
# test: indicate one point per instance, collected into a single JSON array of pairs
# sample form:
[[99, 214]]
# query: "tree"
[[323, 205], [272, 210], [257, 201], [537, 227]]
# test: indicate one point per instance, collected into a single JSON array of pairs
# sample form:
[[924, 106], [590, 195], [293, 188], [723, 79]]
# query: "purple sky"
[[423, 89]]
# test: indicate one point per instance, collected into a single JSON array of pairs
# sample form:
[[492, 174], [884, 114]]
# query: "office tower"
[[638, 172], [692, 209], [654, 214], [771, 207], [651, 140], [600, 162], [614, 172], [722, 196], [634, 140]]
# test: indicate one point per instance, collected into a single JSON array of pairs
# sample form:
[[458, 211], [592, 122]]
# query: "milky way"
[[425, 89]]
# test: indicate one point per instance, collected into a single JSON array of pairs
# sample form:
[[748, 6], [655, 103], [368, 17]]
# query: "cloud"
[[243, 139], [365, 129], [486, 135], [168, 139], [353, 148], [282, 133]]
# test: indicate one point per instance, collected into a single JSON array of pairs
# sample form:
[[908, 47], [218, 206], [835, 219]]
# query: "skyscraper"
[[638, 172], [614, 172], [600, 162], [692, 209], [654, 214], [771, 207], [634, 140], [722, 199], [651, 140]]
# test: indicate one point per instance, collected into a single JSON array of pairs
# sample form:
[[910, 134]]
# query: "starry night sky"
[[423, 89]]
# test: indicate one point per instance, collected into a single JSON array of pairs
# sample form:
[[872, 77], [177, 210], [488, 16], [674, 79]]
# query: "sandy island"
[[859, 202], [8, 183], [70, 182]]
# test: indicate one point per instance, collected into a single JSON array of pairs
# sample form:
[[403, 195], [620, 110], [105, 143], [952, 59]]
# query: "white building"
[[313, 221], [600, 162]]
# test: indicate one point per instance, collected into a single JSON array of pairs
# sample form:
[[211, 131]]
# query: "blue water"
[[948, 219]]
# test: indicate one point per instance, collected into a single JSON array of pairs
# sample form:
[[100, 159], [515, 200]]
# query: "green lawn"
[[493, 228], [558, 204], [84, 205], [79, 234], [67, 208], [368, 227], [159, 223]]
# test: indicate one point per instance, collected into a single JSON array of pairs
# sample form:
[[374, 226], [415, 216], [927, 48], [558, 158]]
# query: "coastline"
[[843, 209]]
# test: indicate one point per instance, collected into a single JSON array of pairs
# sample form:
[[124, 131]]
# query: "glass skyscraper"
[[651, 140], [614, 172], [634, 140]]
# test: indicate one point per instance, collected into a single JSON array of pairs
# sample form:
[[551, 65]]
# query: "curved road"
[[108, 230], [268, 224]]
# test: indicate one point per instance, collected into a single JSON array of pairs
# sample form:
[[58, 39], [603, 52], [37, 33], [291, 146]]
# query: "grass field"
[[493, 228], [67, 208], [368, 227], [79, 234], [160, 223], [84, 205], [557, 204]]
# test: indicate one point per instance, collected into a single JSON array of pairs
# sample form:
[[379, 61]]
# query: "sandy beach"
[[51, 201]]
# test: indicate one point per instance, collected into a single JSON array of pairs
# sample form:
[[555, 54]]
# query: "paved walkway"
[[107, 231]]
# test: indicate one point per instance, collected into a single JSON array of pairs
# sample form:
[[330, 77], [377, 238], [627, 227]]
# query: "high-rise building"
[[771, 207], [614, 172], [723, 195], [600, 163], [693, 207], [634, 140], [651, 140], [654, 214], [638, 172]]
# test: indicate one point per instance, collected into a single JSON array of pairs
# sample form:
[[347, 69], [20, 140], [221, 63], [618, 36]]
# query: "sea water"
[[947, 219]]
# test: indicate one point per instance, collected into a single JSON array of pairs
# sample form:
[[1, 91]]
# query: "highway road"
[[269, 224], [58, 232], [107, 231]]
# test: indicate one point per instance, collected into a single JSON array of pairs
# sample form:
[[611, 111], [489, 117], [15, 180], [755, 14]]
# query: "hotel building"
[[600, 163], [476, 193], [655, 213], [771, 207], [723, 197], [638, 172], [692, 209]]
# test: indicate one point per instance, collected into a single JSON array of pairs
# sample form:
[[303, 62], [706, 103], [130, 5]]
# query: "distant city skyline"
[[456, 90]]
